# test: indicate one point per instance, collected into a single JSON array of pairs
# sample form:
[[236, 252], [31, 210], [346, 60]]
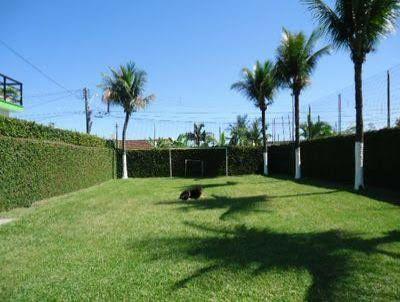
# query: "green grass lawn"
[[248, 238]]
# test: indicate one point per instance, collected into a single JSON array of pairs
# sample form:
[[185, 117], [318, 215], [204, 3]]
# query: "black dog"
[[193, 193]]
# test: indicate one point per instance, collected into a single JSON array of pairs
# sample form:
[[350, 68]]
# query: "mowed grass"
[[248, 238]]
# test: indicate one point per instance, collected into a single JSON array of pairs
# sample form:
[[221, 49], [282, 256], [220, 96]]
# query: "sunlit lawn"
[[248, 238]]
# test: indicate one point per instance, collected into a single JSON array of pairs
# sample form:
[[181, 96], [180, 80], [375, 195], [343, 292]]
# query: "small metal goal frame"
[[216, 148]]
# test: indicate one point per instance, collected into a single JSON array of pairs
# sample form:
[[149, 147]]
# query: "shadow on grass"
[[215, 185], [232, 205], [236, 205], [375, 193], [327, 256]]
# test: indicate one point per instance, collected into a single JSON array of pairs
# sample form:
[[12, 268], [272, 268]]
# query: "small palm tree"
[[198, 135], [313, 130], [296, 60], [238, 131], [259, 86], [357, 26], [125, 88], [254, 133]]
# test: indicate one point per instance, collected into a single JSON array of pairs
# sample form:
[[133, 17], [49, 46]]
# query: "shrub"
[[32, 170], [24, 129]]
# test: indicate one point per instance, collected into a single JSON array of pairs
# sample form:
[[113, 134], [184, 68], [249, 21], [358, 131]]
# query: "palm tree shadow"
[[324, 255], [232, 205]]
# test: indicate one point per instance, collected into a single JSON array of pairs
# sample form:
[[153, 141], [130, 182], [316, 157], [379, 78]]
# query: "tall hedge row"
[[155, 163], [12, 127], [333, 158], [31, 170]]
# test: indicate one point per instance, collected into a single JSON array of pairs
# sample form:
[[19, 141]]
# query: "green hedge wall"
[[145, 163], [32, 170], [12, 127], [333, 158], [329, 159], [245, 160], [155, 163], [281, 159], [382, 158]]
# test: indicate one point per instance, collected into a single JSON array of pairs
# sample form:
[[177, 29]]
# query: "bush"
[[32, 170], [24, 129]]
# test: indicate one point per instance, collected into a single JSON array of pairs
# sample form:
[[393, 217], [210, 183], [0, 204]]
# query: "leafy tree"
[[296, 60], [125, 87], [357, 26], [259, 86], [398, 122]]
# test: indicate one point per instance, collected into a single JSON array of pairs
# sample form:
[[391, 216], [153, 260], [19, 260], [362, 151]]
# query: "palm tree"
[[125, 87], [238, 131], [311, 130], [259, 86], [296, 60], [357, 26], [254, 133], [198, 135]]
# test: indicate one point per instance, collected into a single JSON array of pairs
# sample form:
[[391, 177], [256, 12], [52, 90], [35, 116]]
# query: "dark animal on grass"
[[193, 193]]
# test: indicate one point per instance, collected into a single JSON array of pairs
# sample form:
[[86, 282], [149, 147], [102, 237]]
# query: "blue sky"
[[192, 51]]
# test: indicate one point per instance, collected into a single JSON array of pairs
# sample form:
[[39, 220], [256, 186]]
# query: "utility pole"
[[88, 112], [283, 128], [340, 114], [388, 99]]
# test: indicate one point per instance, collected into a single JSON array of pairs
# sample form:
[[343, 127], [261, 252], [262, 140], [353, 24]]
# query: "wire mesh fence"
[[381, 95]]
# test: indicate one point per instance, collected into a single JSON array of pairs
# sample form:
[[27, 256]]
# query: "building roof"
[[136, 144]]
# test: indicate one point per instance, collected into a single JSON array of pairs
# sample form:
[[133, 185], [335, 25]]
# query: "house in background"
[[10, 95], [136, 145]]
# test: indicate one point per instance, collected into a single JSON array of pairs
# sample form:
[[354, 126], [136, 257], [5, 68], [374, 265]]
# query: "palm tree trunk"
[[265, 147], [297, 135], [359, 143], [124, 162]]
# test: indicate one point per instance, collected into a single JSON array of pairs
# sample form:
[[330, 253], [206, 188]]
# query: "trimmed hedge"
[[145, 163], [155, 162], [333, 158], [281, 159], [242, 160], [12, 127], [382, 158], [32, 170]]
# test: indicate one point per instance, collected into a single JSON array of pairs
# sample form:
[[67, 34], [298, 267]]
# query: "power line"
[[35, 67]]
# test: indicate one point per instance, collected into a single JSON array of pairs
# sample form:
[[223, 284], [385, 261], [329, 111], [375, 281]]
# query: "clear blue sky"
[[192, 51]]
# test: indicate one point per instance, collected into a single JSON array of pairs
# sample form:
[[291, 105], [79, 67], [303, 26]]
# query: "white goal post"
[[186, 161]]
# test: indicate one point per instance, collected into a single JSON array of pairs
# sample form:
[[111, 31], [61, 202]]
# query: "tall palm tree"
[[357, 26], [125, 87], [198, 135], [296, 60], [259, 86]]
